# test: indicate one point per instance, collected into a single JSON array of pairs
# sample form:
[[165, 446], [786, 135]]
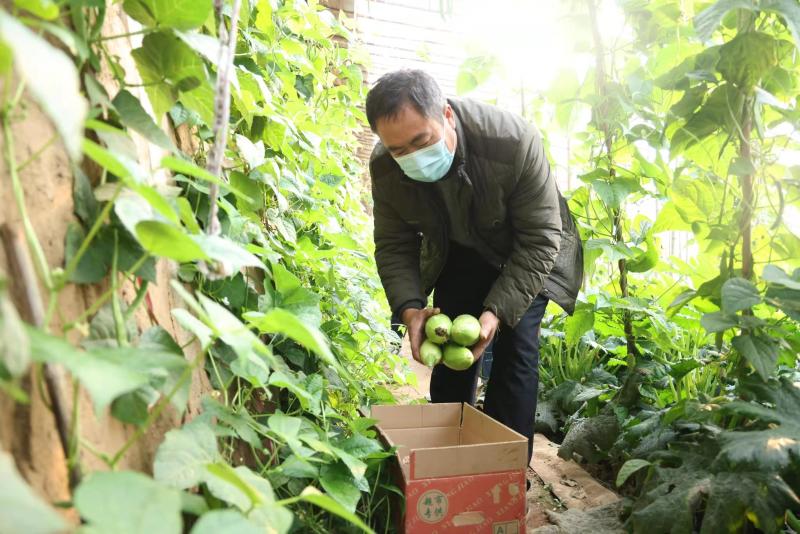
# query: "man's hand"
[[415, 320], [489, 325]]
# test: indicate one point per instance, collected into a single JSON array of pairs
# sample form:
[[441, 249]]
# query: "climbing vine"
[[266, 227]]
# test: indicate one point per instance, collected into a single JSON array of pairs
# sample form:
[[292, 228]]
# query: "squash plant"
[[282, 296], [681, 380]]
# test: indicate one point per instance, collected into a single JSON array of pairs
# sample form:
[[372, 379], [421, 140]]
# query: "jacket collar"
[[460, 158]]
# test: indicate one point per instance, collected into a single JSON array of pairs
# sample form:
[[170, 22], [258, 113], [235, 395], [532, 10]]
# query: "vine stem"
[[143, 31], [33, 157], [97, 304], [222, 109], [19, 198], [98, 223], [119, 320], [156, 411]]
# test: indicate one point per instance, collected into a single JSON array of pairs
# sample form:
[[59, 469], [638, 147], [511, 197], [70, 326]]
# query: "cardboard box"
[[460, 470]]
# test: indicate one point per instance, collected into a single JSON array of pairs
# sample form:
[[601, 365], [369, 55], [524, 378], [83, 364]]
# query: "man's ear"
[[449, 115]]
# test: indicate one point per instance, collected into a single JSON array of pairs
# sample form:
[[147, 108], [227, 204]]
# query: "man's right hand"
[[415, 320]]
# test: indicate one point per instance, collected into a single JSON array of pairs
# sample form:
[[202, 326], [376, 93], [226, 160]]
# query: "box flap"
[[407, 439], [417, 415], [468, 459], [442, 440], [477, 427]]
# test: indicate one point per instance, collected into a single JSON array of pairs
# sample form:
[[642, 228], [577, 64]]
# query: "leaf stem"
[[156, 412], [98, 223], [97, 304], [119, 319], [140, 294], [143, 31], [19, 198]]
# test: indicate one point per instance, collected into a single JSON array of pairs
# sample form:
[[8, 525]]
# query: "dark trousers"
[[514, 378]]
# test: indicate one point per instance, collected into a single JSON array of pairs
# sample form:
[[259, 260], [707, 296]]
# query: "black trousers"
[[511, 393]]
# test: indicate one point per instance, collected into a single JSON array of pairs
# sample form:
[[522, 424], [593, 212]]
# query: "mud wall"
[[28, 432]]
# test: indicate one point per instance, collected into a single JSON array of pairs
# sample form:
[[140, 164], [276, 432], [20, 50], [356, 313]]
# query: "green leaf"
[[176, 14], [168, 68], [168, 241], [182, 458], [707, 21], [45, 9], [314, 496], [646, 260], [741, 167], [229, 328], [125, 502], [713, 115], [272, 518], [51, 77], [194, 326], [187, 167], [614, 193], [736, 497], [103, 378], [746, 58], [629, 468], [579, 323], [774, 442], [360, 446], [95, 262], [682, 368], [739, 294], [239, 487], [134, 116], [337, 482], [252, 153], [225, 251], [228, 521], [474, 72], [22, 510], [164, 369], [719, 322], [206, 45], [760, 351], [15, 348], [116, 164], [295, 298], [280, 321], [776, 275], [590, 437]]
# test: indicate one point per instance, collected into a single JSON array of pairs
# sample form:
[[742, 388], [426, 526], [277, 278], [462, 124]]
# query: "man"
[[465, 205]]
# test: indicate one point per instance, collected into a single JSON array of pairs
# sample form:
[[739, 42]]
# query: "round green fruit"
[[457, 357], [466, 330], [430, 353], [437, 328]]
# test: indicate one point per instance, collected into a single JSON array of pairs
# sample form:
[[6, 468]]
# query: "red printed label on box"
[[474, 504]]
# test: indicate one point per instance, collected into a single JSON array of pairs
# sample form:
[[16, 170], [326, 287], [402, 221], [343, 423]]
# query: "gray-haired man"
[[465, 206]]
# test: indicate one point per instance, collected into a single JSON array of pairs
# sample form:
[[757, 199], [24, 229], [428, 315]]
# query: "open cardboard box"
[[460, 470]]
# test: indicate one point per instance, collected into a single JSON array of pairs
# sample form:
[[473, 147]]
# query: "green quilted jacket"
[[520, 223]]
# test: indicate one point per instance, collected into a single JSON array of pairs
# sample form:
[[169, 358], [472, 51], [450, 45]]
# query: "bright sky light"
[[534, 39]]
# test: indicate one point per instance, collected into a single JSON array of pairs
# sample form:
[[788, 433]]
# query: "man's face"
[[409, 131]]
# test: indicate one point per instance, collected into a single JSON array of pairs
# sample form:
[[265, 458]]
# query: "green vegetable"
[[457, 357], [437, 328], [431, 353], [466, 330]]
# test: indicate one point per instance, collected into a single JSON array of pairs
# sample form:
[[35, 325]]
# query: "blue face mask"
[[428, 164]]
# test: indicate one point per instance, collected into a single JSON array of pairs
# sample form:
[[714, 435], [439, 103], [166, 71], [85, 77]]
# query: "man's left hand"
[[489, 325]]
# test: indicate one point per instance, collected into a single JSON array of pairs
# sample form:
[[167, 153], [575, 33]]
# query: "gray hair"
[[396, 89]]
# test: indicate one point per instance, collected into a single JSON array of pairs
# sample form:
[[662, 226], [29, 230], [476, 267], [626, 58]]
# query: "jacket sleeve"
[[535, 218], [397, 256]]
